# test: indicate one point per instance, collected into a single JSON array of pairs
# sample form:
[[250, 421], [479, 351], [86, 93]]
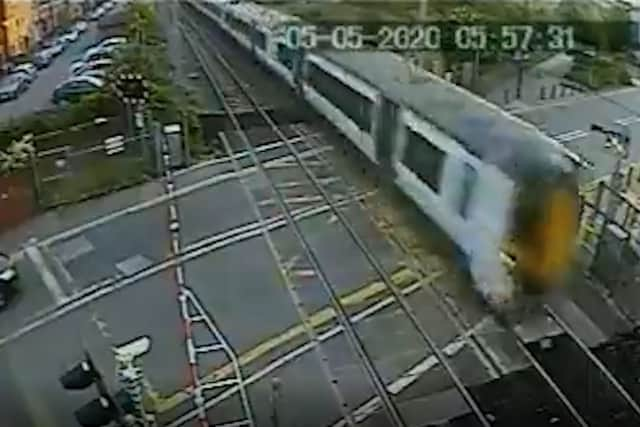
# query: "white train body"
[[465, 186]]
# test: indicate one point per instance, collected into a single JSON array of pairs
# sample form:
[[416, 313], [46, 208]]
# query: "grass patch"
[[97, 177], [601, 73]]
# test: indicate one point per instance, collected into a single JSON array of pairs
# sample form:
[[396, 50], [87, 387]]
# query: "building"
[[56, 15], [16, 36]]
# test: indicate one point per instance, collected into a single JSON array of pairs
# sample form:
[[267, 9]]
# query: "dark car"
[[8, 280], [75, 88], [12, 86]]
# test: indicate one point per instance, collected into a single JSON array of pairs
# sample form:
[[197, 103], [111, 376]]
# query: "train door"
[[386, 132]]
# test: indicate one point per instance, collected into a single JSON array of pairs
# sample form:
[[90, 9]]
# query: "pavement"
[[539, 84], [38, 96]]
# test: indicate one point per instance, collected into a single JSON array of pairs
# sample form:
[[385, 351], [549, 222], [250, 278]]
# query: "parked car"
[[27, 68], [96, 14], [29, 78], [12, 86], [57, 48], [100, 64], [97, 53], [111, 41], [8, 280], [43, 58], [81, 26], [75, 66], [70, 36], [101, 74], [76, 87]]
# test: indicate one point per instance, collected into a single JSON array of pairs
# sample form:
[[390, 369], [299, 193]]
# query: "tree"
[[16, 156]]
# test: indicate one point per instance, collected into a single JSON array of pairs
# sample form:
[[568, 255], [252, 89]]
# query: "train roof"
[[483, 129]]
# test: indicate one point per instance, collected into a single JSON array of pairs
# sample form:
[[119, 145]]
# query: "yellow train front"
[[545, 226]]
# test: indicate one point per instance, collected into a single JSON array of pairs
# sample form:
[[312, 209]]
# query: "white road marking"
[[303, 273], [570, 136], [304, 199], [63, 270], [628, 120], [217, 179], [49, 280], [193, 251], [239, 155], [413, 374]]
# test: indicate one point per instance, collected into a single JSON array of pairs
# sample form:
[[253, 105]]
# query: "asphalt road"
[[38, 96], [246, 300], [571, 121]]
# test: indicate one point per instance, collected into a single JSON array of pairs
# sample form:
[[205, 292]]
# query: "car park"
[[8, 281], [12, 86], [76, 87]]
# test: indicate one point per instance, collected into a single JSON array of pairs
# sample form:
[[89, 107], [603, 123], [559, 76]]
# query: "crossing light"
[[103, 410], [80, 376]]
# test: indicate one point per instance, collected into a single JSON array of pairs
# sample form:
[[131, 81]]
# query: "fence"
[[68, 174], [610, 232]]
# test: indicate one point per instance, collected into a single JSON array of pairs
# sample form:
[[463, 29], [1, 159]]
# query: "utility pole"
[[620, 142]]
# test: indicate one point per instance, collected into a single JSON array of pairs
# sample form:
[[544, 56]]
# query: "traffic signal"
[[102, 410], [80, 376]]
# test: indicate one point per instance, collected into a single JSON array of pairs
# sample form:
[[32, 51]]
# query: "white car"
[[111, 42], [75, 66], [81, 26], [27, 68], [96, 53], [71, 36], [100, 64]]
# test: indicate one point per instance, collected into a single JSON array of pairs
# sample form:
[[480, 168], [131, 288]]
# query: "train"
[[490, 181]]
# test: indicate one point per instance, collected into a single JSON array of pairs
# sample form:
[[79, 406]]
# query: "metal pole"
[[518, 58], [275, 398]]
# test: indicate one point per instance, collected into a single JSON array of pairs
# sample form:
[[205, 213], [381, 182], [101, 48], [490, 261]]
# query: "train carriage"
[[485, 177]]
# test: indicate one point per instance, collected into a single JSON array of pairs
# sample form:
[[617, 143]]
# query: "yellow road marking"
[[401, 278]]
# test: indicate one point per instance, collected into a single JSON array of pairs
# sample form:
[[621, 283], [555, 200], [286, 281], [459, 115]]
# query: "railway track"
[[324, 183]]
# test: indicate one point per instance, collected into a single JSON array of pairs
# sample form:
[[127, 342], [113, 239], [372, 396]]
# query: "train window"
[[261, 40], [424, 159], [285, 55], [353, 104], [468, 182]]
